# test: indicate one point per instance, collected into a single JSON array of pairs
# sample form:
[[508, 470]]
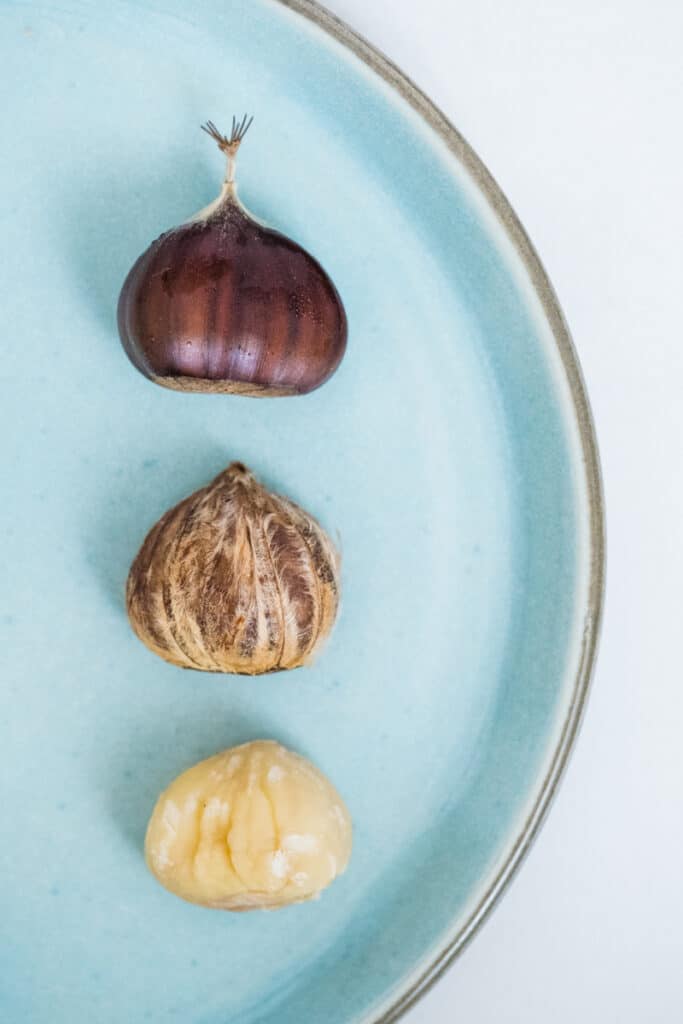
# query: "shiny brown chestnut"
[[224, 303]]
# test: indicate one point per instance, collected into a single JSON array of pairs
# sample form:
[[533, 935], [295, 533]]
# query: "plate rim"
[[410, 991]]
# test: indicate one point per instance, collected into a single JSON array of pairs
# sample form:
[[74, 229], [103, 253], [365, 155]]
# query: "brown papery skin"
[[225, 304], [234, 579]]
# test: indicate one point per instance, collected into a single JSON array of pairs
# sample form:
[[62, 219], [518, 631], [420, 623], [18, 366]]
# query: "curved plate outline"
[[540, 281]]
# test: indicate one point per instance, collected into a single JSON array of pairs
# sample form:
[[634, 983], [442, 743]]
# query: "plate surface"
[[452, 452]]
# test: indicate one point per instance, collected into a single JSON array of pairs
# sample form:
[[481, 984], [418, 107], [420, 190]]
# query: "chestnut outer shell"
[[226, 304]]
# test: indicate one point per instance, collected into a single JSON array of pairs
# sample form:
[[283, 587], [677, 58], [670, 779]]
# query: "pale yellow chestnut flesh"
[[254, 827]]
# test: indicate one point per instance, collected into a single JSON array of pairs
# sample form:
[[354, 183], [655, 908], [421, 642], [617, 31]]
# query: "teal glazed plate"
[[452, 453]]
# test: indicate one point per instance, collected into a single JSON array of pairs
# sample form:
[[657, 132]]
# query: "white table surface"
[[577, 110]]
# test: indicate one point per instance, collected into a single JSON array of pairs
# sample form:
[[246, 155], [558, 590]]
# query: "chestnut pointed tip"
[[238, 130], [235, 473]]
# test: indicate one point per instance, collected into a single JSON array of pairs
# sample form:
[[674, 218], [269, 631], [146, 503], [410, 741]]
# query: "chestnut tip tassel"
[[223, 303]]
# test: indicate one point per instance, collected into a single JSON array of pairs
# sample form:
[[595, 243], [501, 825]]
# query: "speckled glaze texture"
[[451, 454]]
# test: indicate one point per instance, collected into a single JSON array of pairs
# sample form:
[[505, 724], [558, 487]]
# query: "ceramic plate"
[[452, 452]]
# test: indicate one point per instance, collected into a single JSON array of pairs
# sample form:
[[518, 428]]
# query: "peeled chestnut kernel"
[[224, 303], [234, 579], [256, 827]]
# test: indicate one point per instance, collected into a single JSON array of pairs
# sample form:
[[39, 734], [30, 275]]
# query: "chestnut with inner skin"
[[235, 579], [224, 303]]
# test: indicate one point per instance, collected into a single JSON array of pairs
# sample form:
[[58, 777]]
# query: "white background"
[[576, 107]]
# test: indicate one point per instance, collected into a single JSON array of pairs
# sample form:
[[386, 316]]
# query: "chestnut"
[[235, 579], [257, 827], [224, 303]]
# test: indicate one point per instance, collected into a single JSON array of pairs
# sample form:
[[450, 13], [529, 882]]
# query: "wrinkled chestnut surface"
[[253, 827], [234, 579]]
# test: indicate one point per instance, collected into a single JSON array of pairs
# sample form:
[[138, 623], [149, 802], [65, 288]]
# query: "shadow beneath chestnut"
[[119, 513], [151, 755], [117, 211]]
